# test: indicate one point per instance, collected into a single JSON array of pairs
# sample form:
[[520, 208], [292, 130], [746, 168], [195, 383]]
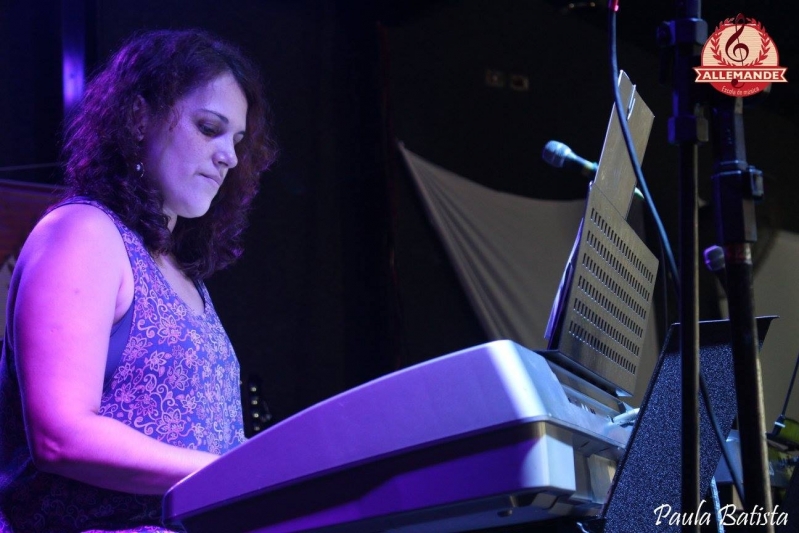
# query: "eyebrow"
[[222, 117]]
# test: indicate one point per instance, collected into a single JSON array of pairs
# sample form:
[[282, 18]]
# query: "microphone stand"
[[687, 129], [736, 186]]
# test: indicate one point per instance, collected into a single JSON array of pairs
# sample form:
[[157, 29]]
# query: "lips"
[[215, 178]]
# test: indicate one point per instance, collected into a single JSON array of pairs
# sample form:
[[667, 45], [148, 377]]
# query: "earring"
[[139, 168]]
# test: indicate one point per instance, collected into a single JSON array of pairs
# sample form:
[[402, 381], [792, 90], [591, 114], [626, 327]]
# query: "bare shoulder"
[[74, 229], [78, 241], [80, 219]]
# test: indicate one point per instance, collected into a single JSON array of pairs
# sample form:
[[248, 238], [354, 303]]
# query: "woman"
[[117, 378]]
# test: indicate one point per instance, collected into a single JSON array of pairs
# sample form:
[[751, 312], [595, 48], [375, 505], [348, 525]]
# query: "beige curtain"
[[508, 251]]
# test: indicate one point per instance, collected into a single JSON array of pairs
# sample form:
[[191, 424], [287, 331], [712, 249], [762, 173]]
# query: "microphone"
[[714, 261], [559, 155]]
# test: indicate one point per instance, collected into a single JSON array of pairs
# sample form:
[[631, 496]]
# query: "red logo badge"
[[740, 59]]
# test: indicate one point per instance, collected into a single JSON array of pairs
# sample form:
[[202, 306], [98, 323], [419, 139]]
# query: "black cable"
[[663, 237], [720, 438], [665, 278], [790, 388], [625, 130]]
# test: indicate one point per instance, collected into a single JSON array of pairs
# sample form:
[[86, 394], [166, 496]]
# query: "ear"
[[141, 117]]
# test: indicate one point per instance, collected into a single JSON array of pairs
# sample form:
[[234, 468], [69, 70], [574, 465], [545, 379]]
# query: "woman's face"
[[188, 153]]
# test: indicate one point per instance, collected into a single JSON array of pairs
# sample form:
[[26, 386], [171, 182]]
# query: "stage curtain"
[[507, 250]]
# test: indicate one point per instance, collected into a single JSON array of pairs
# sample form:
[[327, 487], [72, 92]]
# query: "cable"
[[639, 175], [790, 388], [17, 168], [720, 439]]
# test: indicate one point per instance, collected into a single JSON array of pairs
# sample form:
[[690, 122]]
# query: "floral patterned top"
[[177, 382]]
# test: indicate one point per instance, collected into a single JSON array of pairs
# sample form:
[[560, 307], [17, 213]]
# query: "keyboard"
[[484, 437]]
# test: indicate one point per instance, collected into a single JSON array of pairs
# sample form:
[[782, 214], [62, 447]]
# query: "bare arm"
[[74, 281]]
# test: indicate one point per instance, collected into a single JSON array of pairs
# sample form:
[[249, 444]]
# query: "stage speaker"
[[647, 487]]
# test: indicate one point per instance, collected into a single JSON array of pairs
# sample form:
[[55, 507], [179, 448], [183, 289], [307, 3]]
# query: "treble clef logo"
[[739, 58], [739, 50]]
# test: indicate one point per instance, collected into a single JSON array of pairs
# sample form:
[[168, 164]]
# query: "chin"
[[196, 211], [202, 213]]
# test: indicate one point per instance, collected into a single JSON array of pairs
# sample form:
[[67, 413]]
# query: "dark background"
[[343, 279]]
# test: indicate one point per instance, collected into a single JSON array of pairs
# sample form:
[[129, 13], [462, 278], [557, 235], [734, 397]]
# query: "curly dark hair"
[[101, 148]]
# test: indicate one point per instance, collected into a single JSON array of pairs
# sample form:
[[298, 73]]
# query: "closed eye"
[[207, 129]]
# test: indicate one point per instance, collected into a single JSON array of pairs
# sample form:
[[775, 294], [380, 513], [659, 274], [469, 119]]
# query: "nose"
[[225, 156]]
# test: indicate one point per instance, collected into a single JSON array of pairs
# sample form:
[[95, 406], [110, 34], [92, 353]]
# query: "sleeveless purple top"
[[177, 381]]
